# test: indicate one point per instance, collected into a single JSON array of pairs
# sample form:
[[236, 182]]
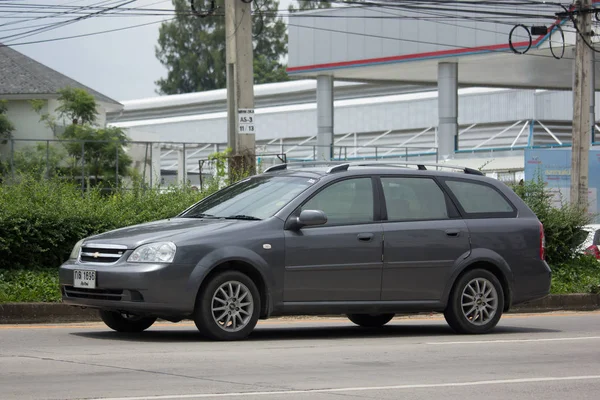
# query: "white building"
[[371, 121], [452, 91], [23, 79]]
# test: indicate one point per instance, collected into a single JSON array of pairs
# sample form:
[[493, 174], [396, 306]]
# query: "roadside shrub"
[[40, 221], [37, 285], [579, 275], [562, 225]]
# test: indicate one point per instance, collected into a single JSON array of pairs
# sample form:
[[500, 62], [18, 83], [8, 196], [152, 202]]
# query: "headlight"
[[75, 252], [160, 252]]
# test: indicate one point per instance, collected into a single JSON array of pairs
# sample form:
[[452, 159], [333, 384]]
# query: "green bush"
[[40, 221], [562, 226], [579, 275], [38, 285]]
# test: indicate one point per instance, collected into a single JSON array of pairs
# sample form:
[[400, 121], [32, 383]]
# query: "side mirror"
[[310, 218]]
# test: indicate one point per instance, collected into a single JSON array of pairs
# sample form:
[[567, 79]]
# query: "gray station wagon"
[[368, 240]]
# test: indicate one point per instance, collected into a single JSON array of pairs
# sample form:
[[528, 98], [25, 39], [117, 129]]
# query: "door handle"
[[452, 232], [365, 237]]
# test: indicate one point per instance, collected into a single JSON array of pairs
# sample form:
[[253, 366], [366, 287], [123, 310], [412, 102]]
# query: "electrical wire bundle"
[[25, 19]]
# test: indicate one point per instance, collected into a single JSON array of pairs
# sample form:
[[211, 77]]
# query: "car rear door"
[[423, 238]]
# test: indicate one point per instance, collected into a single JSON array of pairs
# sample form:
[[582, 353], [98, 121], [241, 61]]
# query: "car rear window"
[[413, 199], [477, 198]]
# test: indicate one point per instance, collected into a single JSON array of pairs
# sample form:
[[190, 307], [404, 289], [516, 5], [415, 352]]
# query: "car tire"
[[228, 297], [130, 324], [476, 303], [370, 320]]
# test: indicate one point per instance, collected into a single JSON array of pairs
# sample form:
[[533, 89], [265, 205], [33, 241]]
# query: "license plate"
[[84, 279]]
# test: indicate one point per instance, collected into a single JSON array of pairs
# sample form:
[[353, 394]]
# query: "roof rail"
[[276, 167], [339, 166], [421, 166], [334, 168]]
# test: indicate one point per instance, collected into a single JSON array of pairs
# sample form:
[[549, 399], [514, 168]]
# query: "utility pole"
[[240, 87], [582, 88]]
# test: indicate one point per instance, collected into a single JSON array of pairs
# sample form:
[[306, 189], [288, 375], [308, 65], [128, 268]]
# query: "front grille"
[[105, 254], [95, 294]]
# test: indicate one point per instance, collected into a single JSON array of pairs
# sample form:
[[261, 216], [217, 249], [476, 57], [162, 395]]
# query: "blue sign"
[[553, 166]]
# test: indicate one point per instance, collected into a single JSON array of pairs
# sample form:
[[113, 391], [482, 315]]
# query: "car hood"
[[167, 229]]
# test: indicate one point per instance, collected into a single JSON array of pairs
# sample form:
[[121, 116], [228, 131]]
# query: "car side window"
[[478, 198], [346, 202], [413, 199]]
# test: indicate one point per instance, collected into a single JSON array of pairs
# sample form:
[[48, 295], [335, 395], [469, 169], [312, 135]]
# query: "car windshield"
[[251, 199]]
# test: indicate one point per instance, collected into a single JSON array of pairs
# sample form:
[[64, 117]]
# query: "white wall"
[[28, 125], [27, 122]]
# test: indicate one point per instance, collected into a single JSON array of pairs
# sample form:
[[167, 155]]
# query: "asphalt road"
[[551, 357]]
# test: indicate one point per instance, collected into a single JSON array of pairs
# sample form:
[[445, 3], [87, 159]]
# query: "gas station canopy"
[[393, 44]]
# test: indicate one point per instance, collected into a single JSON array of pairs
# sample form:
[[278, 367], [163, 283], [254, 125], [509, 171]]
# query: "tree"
[[193, 49], [102, 147], [41, 161], [268, 71], [6, 130], [78, 105], [6, 127], [306, 5], [102, 150]]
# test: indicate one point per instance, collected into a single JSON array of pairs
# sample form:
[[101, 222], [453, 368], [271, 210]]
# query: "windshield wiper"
[[199, 216], [246, 217]]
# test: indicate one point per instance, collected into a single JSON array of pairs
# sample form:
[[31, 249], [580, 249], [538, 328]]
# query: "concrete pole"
[[324, 117], [581, 135], [240, 81], [592, 95], [180, 168], [447, 109]]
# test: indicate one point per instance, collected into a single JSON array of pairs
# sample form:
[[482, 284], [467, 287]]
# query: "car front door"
[[341, 259], [423, 239]]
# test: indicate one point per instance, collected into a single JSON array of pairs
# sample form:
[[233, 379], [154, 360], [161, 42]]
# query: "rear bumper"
[[142, 288], [533, 283]]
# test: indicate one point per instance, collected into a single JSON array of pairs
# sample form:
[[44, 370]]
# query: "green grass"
[[582, 275], [24, 286]]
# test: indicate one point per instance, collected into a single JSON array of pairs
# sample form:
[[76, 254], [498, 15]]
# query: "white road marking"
[[565, 339], [357, 389]]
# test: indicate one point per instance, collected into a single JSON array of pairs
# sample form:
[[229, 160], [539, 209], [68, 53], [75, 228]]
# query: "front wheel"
[[122, 322], [370, 320], [476, 303], [228, 307]]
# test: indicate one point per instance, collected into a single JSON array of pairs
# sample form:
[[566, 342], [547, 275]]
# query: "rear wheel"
[[124, 322], [476, 303], [228, 307], [370, 320]]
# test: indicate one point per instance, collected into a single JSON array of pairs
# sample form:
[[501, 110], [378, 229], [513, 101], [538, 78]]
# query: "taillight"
[[593, 251], [542, 242]]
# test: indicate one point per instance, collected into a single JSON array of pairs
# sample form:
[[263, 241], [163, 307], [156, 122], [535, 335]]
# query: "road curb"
[[560, 302], [32, 313]]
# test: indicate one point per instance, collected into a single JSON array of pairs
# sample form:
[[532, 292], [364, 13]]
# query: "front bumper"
[[160, 289]]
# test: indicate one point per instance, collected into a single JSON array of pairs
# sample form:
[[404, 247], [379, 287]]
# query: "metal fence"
[[161, 164]]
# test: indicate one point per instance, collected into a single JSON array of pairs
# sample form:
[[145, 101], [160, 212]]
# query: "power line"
[[289, 24], [86, 34], [126, 11], [35, 31], [443, 6]]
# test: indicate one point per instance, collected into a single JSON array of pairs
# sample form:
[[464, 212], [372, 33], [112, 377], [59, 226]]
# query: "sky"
[[121, 65]]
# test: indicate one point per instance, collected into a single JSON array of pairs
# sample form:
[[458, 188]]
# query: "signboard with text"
[[246, 121], [553, 166]]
